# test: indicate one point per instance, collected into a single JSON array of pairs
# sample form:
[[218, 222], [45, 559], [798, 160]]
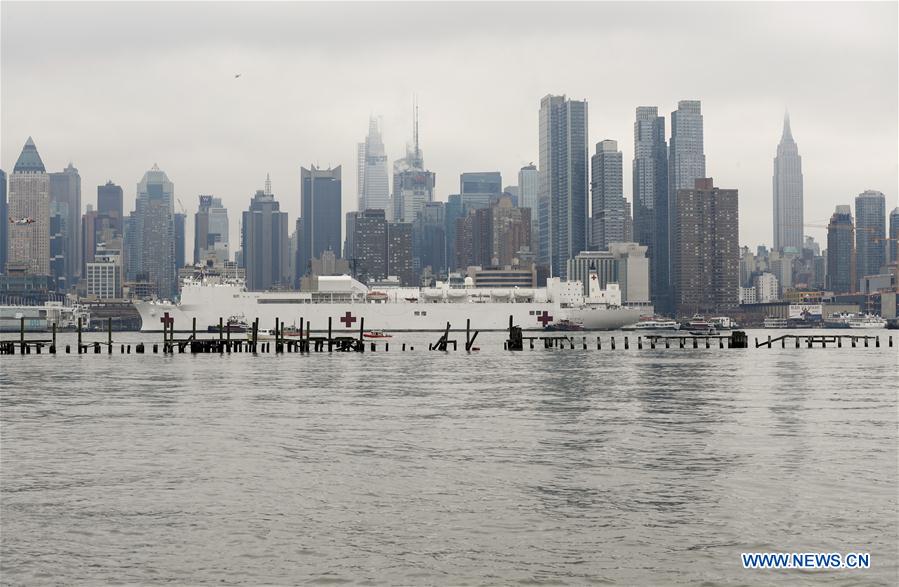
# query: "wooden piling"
[[639, 343], [626, 344], [22, 334], [361, 347], [54, 335], [329, 335], [613, 343], [79, 335]]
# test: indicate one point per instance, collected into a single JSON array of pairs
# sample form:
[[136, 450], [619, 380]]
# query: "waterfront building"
[[264, 239], [788, 209], [623, 263], [841, 270], [480, 189], [65, 227], [609, 214], [893, 243], [211, 231], [4, 223], [748, 295], [29, 214], [562, 177], [705, 256], [320, 209], [528, 197], [650, 185], [870, 232], [103, 276], [150, 234], [413, 185], [767, 288], [372, 180]]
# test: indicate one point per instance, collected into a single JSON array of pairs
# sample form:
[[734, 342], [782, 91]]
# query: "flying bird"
[[237, 75]]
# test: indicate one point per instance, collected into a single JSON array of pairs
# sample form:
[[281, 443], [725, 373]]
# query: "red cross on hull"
[[348, 319]]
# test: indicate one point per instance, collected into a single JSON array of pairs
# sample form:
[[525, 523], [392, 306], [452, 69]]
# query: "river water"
[[637, 467]]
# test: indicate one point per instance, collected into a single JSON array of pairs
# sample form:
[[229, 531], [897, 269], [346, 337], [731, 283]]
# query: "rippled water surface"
[[562, 466]]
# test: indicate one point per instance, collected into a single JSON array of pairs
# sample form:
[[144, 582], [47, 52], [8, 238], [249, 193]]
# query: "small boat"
[[867, 321], [774, 322], [699, 326], [893, 324], [563, 326], [376, 334], [723, 322], [233, 324]]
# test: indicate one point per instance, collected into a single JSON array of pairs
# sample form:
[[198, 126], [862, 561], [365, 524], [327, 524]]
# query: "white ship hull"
[[392, 317]]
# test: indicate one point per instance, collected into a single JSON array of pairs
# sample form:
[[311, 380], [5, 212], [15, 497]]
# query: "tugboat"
[[564, 326], [376, 334]]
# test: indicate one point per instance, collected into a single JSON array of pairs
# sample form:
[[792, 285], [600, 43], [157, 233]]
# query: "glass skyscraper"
[[563, 182], [650, 184], [870, 232]]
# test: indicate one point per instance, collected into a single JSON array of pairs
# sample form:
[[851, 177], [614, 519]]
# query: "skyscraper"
[[479, 188], [180, 220], [413, 185], [109, 203], [651, 214], [453, 212], [686, 153], [373, 188], [150, 248], [788, 218], [841, 271], [705, 253], [563, 182], [429, 244], [528, 197], [211, 231], [320, 208], [893, 243], [399, 252], [29, 214], [870, 232], [609, 214], [264, 237], [4, 222], [65, 220], [367, 246]]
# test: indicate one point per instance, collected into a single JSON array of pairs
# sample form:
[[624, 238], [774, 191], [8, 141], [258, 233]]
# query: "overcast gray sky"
[[117, 87]]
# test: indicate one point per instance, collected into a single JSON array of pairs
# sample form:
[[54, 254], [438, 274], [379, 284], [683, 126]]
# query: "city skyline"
[[222, 137]]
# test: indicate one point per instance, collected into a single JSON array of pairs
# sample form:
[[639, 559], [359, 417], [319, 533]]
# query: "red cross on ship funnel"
[[545, 318]]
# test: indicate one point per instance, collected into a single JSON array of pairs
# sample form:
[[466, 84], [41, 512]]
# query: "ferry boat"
[[837, 320], [774, 322], [867, 321], [653, 324], [42, 318], [699, 326], [350, 304]]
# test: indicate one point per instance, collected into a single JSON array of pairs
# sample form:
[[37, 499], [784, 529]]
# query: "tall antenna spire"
[[268, 184], [415, 127]]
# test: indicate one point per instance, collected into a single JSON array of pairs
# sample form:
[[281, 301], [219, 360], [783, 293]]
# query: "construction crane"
[[183, 210]]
